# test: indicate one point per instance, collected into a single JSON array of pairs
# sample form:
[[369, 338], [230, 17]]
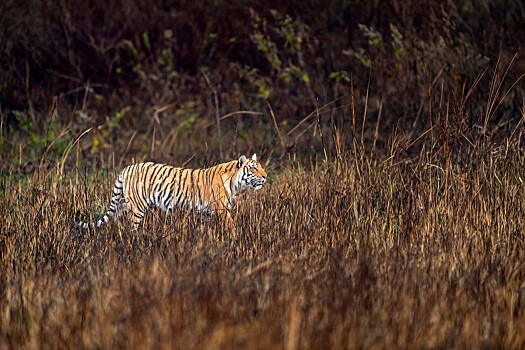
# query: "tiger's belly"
[[183, 204]]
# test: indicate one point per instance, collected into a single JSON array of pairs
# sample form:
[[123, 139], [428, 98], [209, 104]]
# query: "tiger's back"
[[145, 185], [166, 187]]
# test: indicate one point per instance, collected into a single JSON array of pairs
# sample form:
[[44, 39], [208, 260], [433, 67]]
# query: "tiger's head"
[[250, 173]]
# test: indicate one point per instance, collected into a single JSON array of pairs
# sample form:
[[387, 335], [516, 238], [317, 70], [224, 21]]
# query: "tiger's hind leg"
[[136, 216]]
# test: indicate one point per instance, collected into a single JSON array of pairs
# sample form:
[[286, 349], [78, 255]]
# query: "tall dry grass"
[[422, 250]]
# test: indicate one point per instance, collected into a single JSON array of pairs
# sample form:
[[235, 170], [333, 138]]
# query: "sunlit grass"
[[418, 253]]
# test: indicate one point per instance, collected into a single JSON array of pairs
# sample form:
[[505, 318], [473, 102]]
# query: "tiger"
[[142, 186]]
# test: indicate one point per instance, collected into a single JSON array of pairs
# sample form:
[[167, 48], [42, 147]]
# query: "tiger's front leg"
[[226, 218], [220, 206]]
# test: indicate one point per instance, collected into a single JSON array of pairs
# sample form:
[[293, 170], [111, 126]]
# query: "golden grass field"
[[424, 251]]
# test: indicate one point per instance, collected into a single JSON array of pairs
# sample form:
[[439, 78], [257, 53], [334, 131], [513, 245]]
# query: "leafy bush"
[[398, 62]]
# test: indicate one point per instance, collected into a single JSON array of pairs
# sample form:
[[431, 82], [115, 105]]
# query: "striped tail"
[[116, 198]]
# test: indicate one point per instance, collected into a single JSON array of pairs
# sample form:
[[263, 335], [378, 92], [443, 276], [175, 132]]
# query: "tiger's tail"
[[116, 198]]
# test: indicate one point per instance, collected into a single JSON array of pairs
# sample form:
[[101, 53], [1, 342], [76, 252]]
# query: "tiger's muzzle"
[[258, 182]]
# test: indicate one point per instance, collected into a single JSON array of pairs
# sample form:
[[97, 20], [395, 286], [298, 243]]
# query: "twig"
[[321, 134], [276, 126], [376, 132], [68, 149], [314, 113], [226, 116], [217, 110]]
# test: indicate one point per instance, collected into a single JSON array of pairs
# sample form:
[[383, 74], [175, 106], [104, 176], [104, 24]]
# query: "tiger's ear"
[[241, 162], [254, 157]]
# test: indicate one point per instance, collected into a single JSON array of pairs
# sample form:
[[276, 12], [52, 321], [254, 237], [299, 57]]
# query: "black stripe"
[[200, 178], [182, 183], [167, 180], [182, 190], [138, 196], [192, 179], [145, 184], [169, 186], [155, 172], [214, 171], [208, 180], [156, 184], [156, 192], [168, 198], [191, 190]]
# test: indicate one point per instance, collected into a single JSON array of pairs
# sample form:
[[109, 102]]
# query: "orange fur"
[[145, 185]]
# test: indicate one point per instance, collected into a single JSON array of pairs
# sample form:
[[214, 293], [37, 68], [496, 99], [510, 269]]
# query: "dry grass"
[[374, 234], [424, 252]]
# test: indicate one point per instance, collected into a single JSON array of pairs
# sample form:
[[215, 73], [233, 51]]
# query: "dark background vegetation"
[[392, 133], [162, 71]]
